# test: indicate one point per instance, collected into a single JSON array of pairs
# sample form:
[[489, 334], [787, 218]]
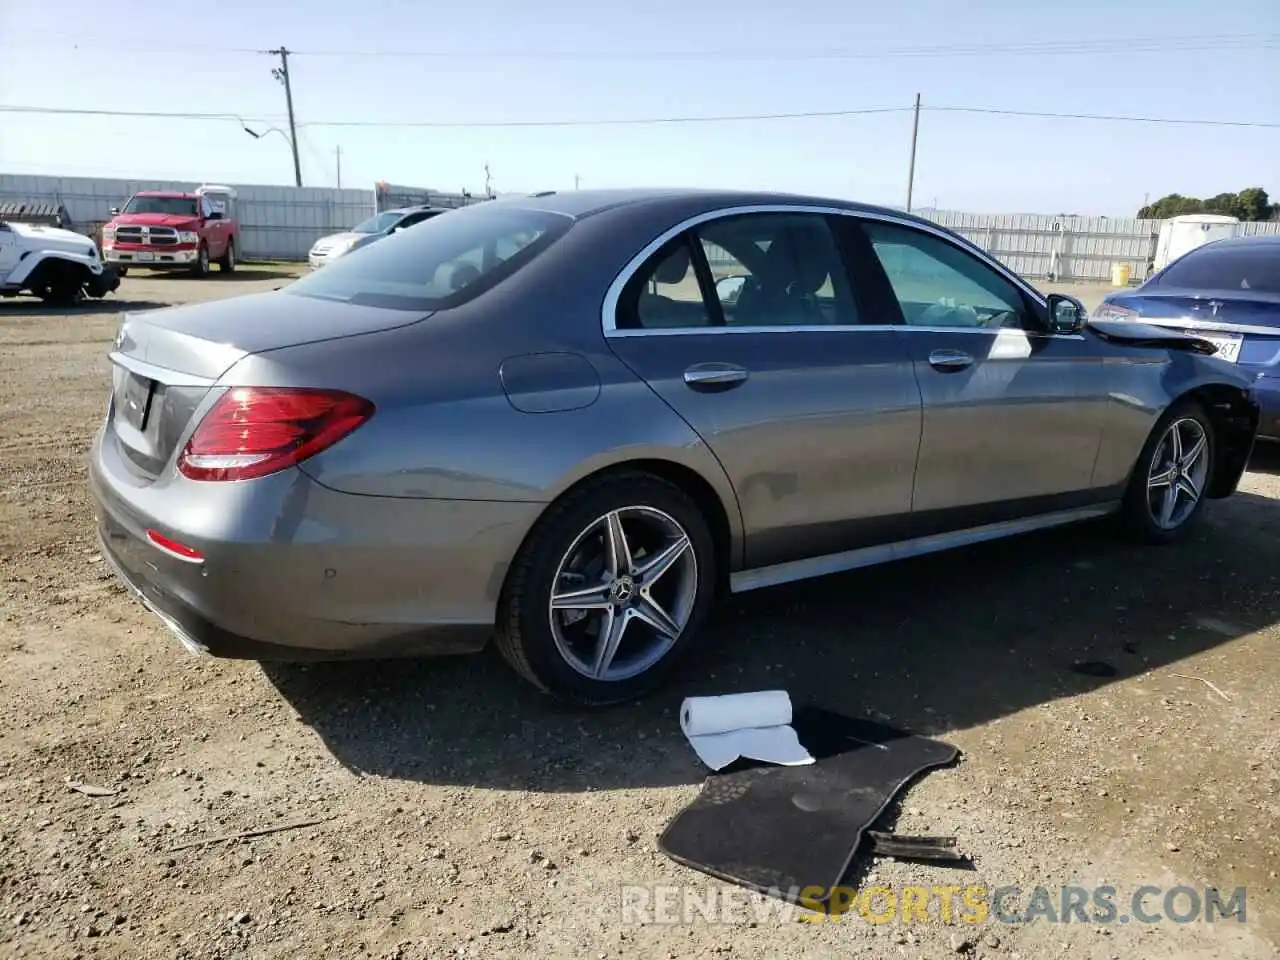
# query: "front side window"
[[1226, 268], [441, 263], [939, 285], [761, 270], [174, 206]]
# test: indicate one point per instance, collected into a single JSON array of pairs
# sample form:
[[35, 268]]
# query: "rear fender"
[[1235, 414]]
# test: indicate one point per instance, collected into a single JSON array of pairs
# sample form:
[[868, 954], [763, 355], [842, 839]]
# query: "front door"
[[748, 326], [1013, 415]]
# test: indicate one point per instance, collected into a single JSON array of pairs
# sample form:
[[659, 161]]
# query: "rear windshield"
[[177, 206], [1226, 268], [440, 263]]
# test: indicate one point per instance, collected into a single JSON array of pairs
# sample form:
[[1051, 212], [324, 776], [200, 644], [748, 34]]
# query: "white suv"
[[58, 266]]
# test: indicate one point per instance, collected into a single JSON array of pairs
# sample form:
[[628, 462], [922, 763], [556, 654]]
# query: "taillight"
[[1111, 311], [254, 431]]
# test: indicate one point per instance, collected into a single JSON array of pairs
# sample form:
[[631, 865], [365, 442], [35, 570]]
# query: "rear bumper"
[[103, 283], [1266, 392], [293, 571]]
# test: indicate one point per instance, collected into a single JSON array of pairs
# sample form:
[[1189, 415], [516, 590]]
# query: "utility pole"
[[911, 171], [577, 180], [281, 73], [488, 182], [337, 153]]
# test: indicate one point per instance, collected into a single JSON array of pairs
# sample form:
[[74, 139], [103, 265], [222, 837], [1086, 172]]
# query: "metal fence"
[[281, 223], [276, 223], [1067, 248]]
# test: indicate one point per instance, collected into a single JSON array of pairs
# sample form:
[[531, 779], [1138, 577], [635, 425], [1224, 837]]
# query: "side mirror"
[[1066, 314], [728, 289], [115, 211]]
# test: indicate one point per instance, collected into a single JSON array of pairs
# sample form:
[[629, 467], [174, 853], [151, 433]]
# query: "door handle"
[[947, 360], [714, 375]]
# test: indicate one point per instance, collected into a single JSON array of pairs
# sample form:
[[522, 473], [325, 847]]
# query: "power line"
[[1108, 117], [1127, 45], [468, 124], [638, 121]]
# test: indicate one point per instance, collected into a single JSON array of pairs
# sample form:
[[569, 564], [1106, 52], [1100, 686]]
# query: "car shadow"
[[243, 271], [107, 305], [1265, 458], [931, 645]]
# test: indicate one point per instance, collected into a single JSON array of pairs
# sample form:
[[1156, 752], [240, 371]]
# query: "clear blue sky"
[[495, 62]]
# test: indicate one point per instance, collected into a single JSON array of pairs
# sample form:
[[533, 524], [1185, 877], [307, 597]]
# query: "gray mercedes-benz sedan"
[[569, 422]]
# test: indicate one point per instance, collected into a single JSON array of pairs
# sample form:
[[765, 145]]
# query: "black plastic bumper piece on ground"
[[780, 830]]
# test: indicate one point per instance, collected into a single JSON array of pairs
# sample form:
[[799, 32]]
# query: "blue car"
[[1226, 292]]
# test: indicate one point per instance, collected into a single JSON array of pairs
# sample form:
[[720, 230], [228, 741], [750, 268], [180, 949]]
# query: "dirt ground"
[[457, 813]]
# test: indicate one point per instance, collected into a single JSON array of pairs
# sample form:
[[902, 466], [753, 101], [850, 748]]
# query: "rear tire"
[[648, 599], [1166, 492], [228, 262]]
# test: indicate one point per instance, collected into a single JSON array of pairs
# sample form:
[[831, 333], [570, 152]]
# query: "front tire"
[[228, 262], [1167, 490], [609, 590], [201, 266], [59, 286]]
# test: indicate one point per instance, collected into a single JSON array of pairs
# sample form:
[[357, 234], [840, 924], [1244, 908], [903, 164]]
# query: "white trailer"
[[1179, 235]]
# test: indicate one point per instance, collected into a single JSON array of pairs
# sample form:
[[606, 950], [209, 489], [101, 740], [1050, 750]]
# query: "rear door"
[[1013, 415], [750, 327]]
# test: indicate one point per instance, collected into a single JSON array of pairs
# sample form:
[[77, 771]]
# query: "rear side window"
[[1226, 268], [440, 263]]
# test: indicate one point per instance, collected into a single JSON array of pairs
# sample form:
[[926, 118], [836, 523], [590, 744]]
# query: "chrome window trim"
[[831, 328], [608, 315]]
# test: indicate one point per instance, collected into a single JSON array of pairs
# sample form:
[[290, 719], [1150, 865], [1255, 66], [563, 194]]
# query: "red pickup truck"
[[162, 230]]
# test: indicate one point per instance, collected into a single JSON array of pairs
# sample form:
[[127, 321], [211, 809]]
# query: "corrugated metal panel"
[[1065, 247]]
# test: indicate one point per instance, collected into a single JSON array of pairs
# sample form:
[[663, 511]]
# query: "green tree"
[[1227, 204], [1249, 204], [1254, 204]]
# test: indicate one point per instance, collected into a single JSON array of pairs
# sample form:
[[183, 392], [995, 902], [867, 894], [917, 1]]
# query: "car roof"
[[583, 203], [1261, 240], [166, 194]]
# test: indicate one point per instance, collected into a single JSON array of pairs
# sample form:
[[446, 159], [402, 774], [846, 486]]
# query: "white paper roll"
[[700, 716]]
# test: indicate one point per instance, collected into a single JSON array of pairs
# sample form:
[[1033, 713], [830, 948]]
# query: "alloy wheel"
[[1179, 468], [623, 593]]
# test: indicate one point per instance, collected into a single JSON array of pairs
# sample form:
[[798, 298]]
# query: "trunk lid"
[[165, 362], [1244, 324]]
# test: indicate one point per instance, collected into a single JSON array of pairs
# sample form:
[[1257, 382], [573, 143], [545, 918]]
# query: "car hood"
[[35, 236], [338, 240], [1150, 335], [176, 220]]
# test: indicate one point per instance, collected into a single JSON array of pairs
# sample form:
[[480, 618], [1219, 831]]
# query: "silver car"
[[569, 422], [335, 245]]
